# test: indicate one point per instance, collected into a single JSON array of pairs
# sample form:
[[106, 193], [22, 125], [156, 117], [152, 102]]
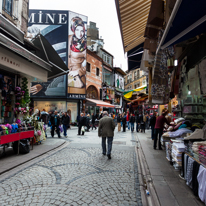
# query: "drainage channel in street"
[[148, 193]]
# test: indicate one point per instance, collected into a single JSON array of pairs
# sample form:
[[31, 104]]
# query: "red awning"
[[98, 103]]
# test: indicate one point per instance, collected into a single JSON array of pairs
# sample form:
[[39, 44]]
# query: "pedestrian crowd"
[[55, 120], [107, 123]]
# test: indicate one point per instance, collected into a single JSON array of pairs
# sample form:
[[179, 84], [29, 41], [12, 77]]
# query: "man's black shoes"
[[109, 156]]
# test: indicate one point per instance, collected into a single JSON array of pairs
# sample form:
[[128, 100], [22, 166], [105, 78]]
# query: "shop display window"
[[60, 106], [72, 110]]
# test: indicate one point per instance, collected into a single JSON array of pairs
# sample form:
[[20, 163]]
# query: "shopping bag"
[[83, 129], [60, 128]]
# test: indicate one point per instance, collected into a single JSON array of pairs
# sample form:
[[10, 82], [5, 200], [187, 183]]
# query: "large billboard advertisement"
[[54, 87], [66, 32]]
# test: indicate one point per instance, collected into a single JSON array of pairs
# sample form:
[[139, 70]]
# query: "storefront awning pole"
[[169, 24]]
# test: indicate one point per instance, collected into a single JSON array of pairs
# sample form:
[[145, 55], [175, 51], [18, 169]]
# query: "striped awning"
[[132, 15], [98, 103]]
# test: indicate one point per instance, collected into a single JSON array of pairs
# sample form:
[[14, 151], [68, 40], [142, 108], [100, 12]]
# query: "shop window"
[[88, 67], [97, 72], [10, 7], [108, 59], [108, 77], [138, 75]]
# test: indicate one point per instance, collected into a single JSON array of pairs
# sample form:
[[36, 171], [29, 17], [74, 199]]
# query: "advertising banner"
[[119, 82], [66, 32], [77, 43], [54, 87]]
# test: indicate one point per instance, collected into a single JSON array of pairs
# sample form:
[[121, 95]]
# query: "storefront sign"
[[110, 87], [59, 28], [23, 52], [118, 93], [77, 96], [10, 61]]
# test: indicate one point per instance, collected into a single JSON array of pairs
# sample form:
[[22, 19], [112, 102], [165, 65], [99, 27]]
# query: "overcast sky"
[[103, 12]]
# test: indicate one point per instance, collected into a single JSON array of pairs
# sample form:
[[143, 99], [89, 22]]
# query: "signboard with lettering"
[[66, 32]]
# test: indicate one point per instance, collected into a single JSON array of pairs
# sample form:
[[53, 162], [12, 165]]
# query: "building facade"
[[58, 27], [134, 79], [94, 42], [119, 89], [94, 80]]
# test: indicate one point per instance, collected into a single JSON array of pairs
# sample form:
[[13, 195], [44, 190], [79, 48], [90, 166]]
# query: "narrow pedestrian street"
[[78, 174]]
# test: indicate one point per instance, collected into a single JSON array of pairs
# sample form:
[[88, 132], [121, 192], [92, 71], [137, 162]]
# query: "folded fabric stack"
[[168, 148], [177, 150], [195, 148], [188, 148], [177, 133], [202, 154]]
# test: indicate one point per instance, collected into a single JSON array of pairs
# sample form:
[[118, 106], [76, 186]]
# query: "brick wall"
[[91, 77]]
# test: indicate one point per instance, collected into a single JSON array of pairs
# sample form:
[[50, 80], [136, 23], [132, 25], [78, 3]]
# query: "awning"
[[11, 45], [132, 17], [128, 94], [187, 20], [134, 57], [98, 103], [48, 53], [11, 29]]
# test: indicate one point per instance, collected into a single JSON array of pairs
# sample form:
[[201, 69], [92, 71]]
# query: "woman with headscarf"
[[77, 54]]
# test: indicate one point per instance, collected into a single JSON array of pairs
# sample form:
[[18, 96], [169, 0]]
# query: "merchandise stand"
[[5, 139]]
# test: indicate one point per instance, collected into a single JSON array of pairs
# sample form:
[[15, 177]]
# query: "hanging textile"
[[160, 85], [189, 172], [201, 181], [202, 72], [195, 184]]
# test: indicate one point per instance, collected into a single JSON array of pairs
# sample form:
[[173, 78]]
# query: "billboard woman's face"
[[79, 32]]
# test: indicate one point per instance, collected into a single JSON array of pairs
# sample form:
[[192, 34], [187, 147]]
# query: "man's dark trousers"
[[57, 130], [109, 145], [158, 132]]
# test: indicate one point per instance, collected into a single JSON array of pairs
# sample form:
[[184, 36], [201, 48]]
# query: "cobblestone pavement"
[[76, 176]]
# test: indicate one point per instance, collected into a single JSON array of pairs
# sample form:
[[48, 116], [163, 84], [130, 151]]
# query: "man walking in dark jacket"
[[137, 123], [124, 122], [82, 122], [152, 124], [93, 121], [132, 121], [106, 131], [55, 122], [65, 122]]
